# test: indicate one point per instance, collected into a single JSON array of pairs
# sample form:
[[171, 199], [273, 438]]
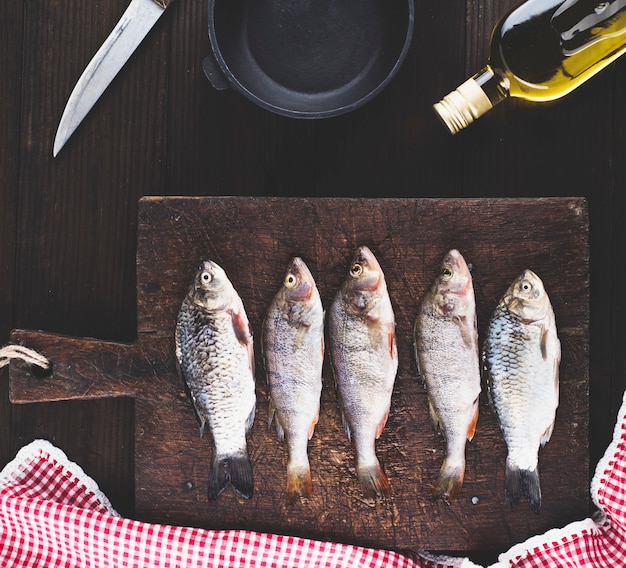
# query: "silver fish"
[[364, 358], [215, 358], [521, 357], [446, 350], [293, 351]]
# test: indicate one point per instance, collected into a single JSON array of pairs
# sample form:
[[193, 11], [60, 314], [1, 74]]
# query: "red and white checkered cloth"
[[53, 515]]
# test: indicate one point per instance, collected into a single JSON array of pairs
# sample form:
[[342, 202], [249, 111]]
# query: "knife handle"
[[163, 3]]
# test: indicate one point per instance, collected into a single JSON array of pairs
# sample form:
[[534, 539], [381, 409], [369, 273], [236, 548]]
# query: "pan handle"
[[214, 73]]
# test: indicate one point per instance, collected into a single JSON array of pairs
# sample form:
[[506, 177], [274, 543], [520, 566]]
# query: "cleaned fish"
[[446, 350], [293, 351], [521, 357], [215, 358], [364, 357]]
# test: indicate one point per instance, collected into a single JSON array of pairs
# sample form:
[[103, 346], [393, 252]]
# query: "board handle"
[[82, 369]]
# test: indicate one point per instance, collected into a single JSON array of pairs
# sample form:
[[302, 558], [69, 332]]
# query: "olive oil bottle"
[[540, 51]]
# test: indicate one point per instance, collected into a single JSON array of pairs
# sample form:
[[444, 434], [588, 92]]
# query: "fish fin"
[[468, 330], [393, 346], [417, 363], [241, 325], [346, 426], [471, 429], [557, 361], [485, 372], [420, 373], [545, 438], [381, 426], [237, 470], [544, 342], [243, 331], [373, 480], [270, 412], [280, 432], [322, 335], [518, 482], [251, 364], [450, 480], [375, 335], [190, 398], [299, 483], [434, 418], [378, 335], [250, 419], [201, 421], [300, 335], [312, 425], [218, 477], [241, 475]]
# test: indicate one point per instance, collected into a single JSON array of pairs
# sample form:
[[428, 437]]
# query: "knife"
[[129, 32]]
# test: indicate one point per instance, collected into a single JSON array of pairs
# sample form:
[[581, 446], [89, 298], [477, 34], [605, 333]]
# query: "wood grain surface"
[[68, 231], [254, 239]]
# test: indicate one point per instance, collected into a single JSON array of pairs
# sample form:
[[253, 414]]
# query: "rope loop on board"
[[37, 360]]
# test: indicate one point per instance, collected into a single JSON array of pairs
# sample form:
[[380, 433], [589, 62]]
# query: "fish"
[[521, 357], [445, 338], [215, 359], [364, 358], [293, 353]]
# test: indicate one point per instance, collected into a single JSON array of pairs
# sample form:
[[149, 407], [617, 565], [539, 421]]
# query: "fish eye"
[[290, 281], [206, 277], [446, 273], [356, 270], [526, 287]]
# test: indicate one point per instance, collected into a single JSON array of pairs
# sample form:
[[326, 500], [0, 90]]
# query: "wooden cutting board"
[[253, 239]]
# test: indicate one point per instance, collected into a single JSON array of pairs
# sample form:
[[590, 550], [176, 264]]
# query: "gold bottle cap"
[[462, 106]]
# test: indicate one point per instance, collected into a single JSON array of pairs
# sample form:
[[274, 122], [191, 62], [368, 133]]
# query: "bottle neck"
[[472, 99]]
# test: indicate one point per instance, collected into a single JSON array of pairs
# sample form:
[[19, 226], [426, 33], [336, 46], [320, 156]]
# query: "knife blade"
[[134, 25]]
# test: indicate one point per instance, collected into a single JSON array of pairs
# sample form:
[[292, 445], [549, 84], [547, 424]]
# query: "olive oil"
[[540, 51]]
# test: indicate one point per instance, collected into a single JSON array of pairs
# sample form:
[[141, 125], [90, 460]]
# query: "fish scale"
[[293, 352], [215, 359], [521, 357], [364, 359], [217, 396], [446, 353], [520, 384]]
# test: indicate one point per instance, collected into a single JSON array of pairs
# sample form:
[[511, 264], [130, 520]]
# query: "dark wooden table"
[[68, 225]]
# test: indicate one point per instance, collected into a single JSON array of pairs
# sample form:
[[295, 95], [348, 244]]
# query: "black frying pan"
[[307, 58]]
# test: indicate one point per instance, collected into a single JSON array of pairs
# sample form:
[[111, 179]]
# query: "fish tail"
[[518, 482], [450, 480], [373, 481], [299, 483], [237, 470]]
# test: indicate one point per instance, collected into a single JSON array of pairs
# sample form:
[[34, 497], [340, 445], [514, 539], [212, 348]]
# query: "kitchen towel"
[[53, 515]]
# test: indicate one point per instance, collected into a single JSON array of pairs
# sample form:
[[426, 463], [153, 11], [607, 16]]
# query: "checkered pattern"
[[53, 515], [599, 542]]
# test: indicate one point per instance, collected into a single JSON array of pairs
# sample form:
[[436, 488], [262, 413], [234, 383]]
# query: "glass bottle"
[[540, 51]]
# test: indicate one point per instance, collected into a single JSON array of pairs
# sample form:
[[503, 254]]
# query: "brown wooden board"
[[253, 239]]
